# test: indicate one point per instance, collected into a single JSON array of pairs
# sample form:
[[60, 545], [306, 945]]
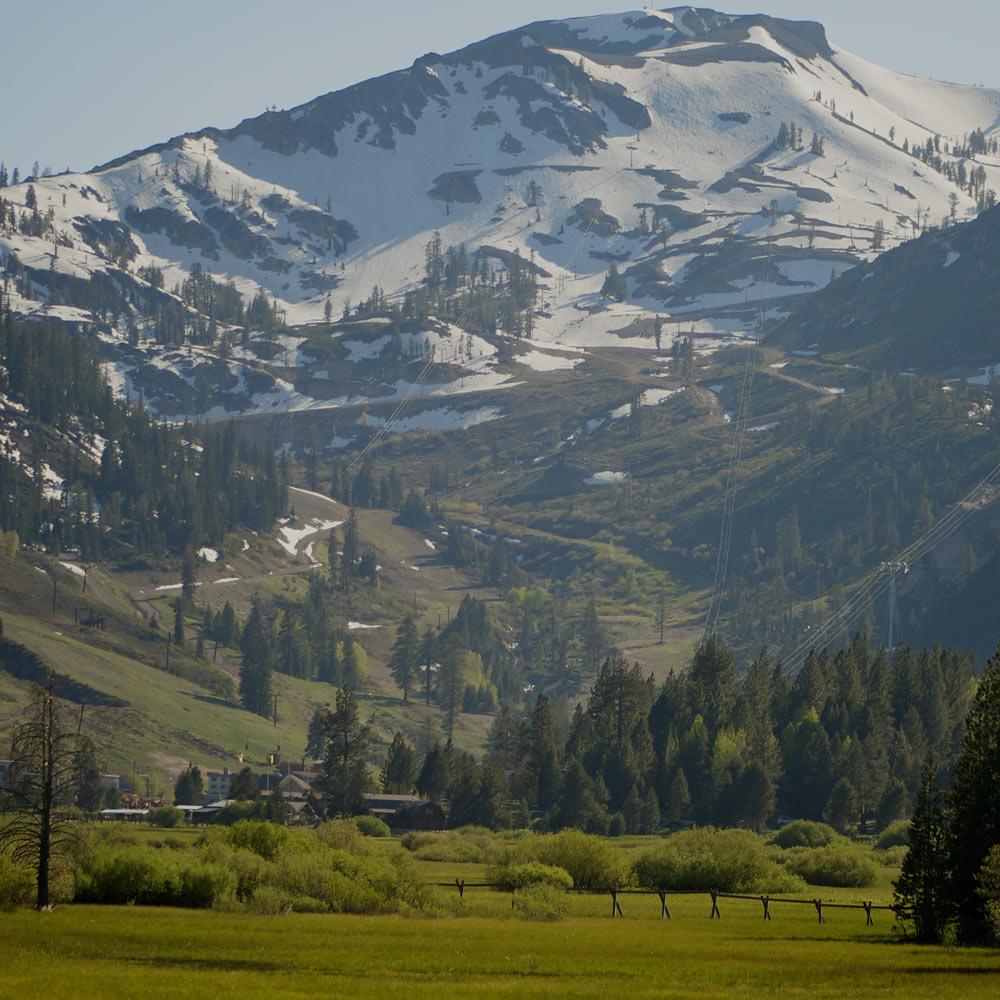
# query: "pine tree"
[[399, 773], [257, 645], [405, 657], [921, 891], [344, 779], [974, 804], [713, 680], [578, 804], [679, 801], [435, 777]]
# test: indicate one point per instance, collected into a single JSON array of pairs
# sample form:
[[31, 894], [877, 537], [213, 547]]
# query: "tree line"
[[148, 489]]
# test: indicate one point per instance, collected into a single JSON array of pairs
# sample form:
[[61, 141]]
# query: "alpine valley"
[[612, 332]]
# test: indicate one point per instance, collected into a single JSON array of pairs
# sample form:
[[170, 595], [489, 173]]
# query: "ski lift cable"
[[742, 420], [947, 525]]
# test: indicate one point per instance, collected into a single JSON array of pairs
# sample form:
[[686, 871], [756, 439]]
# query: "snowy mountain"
[[724, 164]]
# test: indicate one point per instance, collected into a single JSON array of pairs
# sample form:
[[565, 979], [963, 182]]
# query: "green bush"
[[247, 867], [167, 817], [343, 835], [17, 885], [147, 877], [727, 860], [269, 901], [348, 883], [453, 851], [264, 839], [841, 865], [989, 889], [892, 857], [542, 902], [896, 834], [805, 833], [591, 862], [372, 826], [511, 877]]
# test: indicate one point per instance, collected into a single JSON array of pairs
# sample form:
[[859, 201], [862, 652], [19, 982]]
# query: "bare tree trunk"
[[45, 813]]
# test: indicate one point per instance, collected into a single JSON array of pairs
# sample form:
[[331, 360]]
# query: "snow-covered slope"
[[646, 140]]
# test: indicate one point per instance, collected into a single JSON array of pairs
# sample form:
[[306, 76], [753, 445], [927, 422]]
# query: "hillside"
[[928, 305], [145, 715]]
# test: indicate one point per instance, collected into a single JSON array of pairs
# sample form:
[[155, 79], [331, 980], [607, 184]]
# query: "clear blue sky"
[[87, 81]]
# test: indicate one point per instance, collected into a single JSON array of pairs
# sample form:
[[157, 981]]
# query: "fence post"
[[766, 900], [868, 914], [715, 905], [664, 912], [616, 910], [818, 903]]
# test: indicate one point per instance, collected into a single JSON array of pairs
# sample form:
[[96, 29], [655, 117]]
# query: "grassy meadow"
[[485, 944], [126, 951]]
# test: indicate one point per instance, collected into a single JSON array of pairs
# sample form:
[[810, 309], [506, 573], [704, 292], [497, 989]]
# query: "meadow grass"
[[126, 951]]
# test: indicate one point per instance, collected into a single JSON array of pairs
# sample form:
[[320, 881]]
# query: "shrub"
[[542, 902], [841, 865], [510, 877], [371, 826], [892, 857], [247, 867], [349, 883], [149, 877], [591, 862], [341, 834], [166, 816], [454, 851], [989, 889], [805, 833], [17, 885], [728, 860], [264, 839], [269, 901], [894, 835]]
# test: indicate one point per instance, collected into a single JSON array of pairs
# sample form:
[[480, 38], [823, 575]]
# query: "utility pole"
[[275, 711], [55, 591]]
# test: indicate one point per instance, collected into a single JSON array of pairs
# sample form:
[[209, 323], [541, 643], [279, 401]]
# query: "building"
[[406, 812], [220, 784]]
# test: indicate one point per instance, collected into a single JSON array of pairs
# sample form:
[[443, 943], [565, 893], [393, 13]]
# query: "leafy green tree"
[[189, 789], [842, 810], [316, 736], [89, 790], [244, 787]]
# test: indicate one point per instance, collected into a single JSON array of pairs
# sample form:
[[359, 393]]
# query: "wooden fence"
[[766, 901]]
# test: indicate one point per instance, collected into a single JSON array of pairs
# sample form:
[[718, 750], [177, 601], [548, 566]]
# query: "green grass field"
[[129, 952]]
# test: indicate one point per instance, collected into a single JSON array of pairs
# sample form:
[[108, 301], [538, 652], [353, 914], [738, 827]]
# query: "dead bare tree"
[[44, 754]]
